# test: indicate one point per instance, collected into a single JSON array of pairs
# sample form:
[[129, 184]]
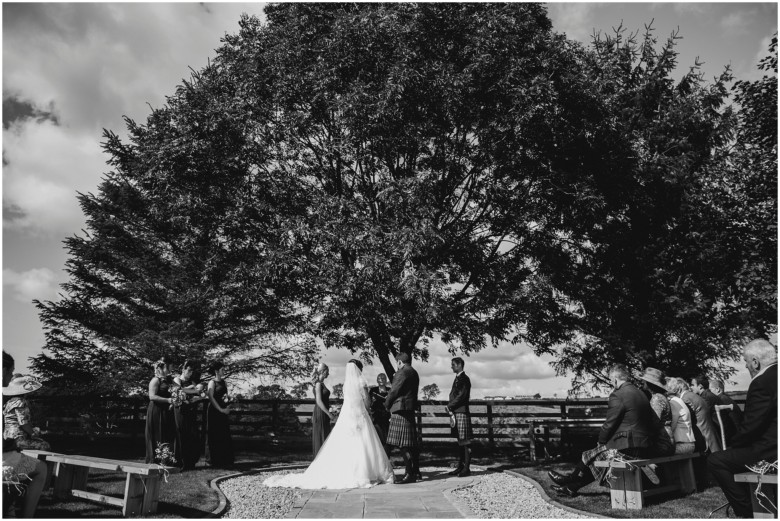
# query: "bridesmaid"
[[187, 447], [219, 446], [321, 417], [160, 423]]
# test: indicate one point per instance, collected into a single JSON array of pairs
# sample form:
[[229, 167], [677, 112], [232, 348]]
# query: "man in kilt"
[[401, 401], [627, 432], [458, 407]]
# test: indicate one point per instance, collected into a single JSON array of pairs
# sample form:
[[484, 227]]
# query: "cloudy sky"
[[70, 70]]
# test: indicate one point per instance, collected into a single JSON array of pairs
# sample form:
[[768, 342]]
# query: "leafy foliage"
[[430, 391]]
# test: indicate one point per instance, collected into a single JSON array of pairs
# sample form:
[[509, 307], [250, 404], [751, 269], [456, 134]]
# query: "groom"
[[401, 402]]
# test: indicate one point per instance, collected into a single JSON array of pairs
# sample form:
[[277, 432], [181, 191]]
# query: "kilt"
[[462, 429], [403, 430], [601, 453]]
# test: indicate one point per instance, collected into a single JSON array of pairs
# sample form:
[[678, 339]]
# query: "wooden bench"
[[50, 465], [142, 484], [768, 487], [625, 485]]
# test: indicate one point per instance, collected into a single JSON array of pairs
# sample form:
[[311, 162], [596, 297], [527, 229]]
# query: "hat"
[[654, 376], [21, 385]]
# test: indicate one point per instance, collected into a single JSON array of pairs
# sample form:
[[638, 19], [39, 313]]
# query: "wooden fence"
[[537, 425]]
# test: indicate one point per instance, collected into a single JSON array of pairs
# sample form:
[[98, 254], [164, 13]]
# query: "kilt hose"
[[403, 430], [462, 429]]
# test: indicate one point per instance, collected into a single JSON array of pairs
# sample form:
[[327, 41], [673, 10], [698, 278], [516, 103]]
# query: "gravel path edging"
[[462, 507], [223, 501], [547, 498]]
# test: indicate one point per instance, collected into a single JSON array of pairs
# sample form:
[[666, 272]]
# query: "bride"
[[352, 455]]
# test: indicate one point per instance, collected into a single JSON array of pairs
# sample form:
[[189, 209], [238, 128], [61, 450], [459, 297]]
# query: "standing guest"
[[187, 444], [654, 384], [219, 446], [20, 464], [380, 416], [731, 418], [708, 441], [402, 403], [160, 423], [458, 406], [321, 417], [682, 423], [17, 416], [756, 438], [627, 432]]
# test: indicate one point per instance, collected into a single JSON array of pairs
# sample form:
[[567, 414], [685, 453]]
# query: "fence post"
[[136, 420], [275, 416], [564, 426], [419, 422], [491, 440], [532, 439]]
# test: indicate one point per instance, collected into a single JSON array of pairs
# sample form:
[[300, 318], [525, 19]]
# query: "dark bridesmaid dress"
[[160, 423], [187, 447], [320, 422], [219, 446]]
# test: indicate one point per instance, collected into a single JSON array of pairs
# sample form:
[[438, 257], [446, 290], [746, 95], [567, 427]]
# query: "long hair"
[[318, 369]]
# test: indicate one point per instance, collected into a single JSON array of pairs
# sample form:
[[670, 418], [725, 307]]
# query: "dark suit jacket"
[[711, 399], [704, 423], [629, 419], [759, 425], [460, 394], [403, 395], [731, 418]]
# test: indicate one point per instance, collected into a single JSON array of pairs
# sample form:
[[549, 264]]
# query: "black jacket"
[[403, 394], [759, 423], [629, 420], [460, 394], [731, 418]]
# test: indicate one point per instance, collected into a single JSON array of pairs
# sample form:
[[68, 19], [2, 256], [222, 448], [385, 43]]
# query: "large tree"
[[662, 268]]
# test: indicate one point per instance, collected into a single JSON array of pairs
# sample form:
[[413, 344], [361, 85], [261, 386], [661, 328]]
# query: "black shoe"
[[408, 478], [466, 472], [561, 479], [456, 471], [418, 476], [564, 490]]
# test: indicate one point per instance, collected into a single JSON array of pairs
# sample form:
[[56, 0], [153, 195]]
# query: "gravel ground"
[[502, 496], [249, 499]]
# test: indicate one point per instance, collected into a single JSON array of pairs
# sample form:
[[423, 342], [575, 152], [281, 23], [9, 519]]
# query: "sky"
[[71, 70]]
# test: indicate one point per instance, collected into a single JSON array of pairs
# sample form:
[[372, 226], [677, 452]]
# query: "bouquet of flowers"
[[335, 410], [178, 397], [164, 458], [201, 390]]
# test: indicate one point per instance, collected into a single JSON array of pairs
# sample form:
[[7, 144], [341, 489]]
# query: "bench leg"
[[759, 511], [632, 479], [63, 482], [151, 495], [80, 476], [134, 496]]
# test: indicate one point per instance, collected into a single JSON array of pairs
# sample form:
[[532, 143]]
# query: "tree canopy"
[[377, 174]]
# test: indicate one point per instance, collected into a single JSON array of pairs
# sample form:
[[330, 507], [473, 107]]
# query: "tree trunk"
[[383, 345]]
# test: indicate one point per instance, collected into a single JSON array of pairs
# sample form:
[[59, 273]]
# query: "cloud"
[[736, 22], [688, 7], [572, 19], [37, 283]]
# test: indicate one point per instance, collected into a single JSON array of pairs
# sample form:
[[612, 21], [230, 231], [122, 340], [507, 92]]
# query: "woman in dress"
[[353, 455], [379, 413], [655, 387], [187, 446], [160, 422], [681, 423], [17, 416], [321, 416], [219, 446], [24, 470]]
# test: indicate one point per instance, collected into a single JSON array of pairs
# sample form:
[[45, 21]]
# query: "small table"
[[768, 483]]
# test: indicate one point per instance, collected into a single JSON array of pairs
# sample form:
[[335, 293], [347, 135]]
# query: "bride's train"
[[352, 455]]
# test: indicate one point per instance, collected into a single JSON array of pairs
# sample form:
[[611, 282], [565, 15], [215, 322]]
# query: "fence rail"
[[563, 424]]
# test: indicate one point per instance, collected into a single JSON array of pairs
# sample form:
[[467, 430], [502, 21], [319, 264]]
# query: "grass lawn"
[[595, 499]]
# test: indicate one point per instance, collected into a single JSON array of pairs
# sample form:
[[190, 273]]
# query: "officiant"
[[458, 407], [380, 416]]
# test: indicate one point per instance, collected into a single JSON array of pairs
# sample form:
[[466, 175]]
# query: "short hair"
[[159, 365], [357, 362], [702, 380], [458, 360], [717, 384], [318, 369], [762, 350], [674, 384], [8, 361], [216, 366], [620, 371], [404, 357], [189, 364]]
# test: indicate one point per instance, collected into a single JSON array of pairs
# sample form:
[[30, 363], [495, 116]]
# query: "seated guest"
[[701, 386], [756, 437], [654, 384], [731, 418], [707, 439], [682, 425], [17, 417], [627, 432], [29, 472]]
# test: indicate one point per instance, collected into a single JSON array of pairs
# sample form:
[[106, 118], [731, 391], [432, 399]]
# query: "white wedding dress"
[[352, 455]]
